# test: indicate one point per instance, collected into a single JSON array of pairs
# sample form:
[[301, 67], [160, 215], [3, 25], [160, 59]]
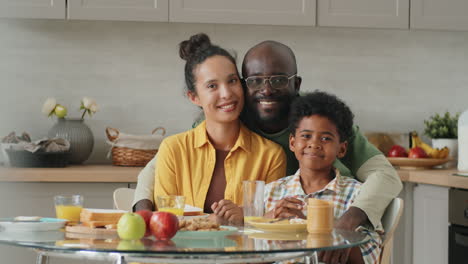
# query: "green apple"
[[130, 245], [60, 111], [131, 226]]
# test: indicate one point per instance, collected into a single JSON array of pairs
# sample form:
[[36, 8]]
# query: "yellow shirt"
[[186, 163]]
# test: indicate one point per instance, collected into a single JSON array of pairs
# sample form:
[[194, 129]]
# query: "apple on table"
[[164, 225], [131, 226], [146, 215]]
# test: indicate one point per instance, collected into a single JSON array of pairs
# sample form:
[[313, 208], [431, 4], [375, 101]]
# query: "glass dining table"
[[234, 246]]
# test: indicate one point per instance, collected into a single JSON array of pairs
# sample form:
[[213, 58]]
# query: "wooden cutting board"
[[88, 230]]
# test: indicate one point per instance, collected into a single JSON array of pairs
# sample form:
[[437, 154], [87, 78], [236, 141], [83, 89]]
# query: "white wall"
[[393, 79]]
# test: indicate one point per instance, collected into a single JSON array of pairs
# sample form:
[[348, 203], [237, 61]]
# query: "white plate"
[[45, 224]]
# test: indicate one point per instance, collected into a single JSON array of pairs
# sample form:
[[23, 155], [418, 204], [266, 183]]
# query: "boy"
[[320, 125]]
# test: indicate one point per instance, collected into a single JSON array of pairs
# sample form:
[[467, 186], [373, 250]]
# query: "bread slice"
[[108, 215]]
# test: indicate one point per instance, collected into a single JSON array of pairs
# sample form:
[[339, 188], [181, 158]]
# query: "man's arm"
[[381, 182], [143, 199]]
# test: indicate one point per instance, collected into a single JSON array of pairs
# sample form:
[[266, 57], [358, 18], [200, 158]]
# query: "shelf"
[[109, 173], [77, 173]]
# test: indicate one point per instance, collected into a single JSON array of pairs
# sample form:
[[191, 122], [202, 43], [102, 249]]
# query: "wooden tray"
[[79, 229], [416, 164]]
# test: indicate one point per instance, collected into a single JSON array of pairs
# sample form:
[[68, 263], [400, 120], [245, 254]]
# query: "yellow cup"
[[68, 207], [171, 203], [319, 216]]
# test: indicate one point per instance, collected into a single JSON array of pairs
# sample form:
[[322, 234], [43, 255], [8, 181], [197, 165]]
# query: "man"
[[270, 73]]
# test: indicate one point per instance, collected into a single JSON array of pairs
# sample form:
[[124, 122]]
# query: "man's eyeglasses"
[[277, 82]]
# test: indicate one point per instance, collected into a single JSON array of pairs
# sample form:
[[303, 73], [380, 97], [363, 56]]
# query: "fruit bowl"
[[416, 164]]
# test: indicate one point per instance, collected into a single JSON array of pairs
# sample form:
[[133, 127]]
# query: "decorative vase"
[[80, 136], [452, 144]]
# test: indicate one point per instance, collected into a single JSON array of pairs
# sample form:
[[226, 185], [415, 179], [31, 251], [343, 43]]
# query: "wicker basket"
[[122, 156]]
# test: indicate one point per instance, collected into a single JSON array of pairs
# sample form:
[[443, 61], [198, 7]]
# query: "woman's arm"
[[144, 192], [277, 166], [165, 179], [381, 184]]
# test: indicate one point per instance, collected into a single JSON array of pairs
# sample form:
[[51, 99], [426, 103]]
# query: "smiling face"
[[316, 143], [269, 105], [218, 89]]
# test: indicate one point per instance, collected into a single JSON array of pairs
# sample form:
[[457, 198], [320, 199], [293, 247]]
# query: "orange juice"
[[69, 212], [176, 211]]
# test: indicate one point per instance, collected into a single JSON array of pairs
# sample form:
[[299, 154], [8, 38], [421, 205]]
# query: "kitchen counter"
[[77, 173], [109, 173], [434, 177]]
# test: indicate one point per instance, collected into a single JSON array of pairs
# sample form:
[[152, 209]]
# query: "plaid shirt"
[[341, 191]]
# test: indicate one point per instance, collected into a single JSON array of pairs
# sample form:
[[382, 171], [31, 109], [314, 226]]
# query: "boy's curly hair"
[[326, 105]]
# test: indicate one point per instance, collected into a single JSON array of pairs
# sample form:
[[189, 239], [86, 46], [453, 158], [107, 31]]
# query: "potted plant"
[[443, 130]]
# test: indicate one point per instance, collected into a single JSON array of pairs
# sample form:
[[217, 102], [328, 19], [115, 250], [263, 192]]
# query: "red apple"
[[397, 151], [164, 225], [146, 214], [417, 153]]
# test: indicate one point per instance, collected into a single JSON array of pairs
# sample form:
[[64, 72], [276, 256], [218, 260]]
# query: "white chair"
[[390, 220], [123, 199]]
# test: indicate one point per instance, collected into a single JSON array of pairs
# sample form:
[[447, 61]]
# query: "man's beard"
[[280, 115]]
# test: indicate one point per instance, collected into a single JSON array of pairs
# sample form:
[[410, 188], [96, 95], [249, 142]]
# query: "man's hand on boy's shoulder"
[[351, 219], [287, 207]]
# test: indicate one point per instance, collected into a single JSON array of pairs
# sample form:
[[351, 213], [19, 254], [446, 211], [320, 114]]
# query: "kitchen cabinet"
[[430, 224], [363, 13], [403, 237], [124, 10], [267, 12], [436, 14], [33, 9]]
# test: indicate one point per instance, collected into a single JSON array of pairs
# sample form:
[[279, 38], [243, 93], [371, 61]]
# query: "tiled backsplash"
[[392, 79]]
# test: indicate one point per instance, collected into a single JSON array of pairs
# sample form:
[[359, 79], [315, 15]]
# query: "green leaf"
[[442, 126]]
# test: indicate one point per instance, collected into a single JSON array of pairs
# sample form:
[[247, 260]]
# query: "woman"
[[208, 163]]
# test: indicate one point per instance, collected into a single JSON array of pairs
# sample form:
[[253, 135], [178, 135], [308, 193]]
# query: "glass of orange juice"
[[171, 203], [253, 203], [68, 207]]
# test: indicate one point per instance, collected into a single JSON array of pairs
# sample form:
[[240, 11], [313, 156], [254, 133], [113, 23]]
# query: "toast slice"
[[108, 215]]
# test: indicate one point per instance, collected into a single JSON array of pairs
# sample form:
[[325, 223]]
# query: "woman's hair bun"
[[196, 43]]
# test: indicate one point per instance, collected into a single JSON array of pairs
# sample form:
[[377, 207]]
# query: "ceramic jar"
[[80, 136]]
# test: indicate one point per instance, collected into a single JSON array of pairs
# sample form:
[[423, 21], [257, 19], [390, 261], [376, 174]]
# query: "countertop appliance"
[[458, 228]]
